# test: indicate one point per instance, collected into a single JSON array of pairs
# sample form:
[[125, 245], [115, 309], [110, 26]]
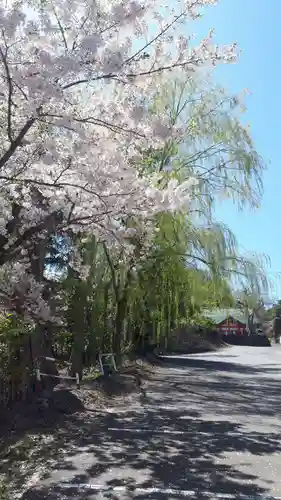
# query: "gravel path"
[[208, 427]]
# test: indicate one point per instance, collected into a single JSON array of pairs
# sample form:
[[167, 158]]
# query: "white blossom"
[[76, 80]]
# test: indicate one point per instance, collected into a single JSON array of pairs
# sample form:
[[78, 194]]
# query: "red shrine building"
[[229, 321]]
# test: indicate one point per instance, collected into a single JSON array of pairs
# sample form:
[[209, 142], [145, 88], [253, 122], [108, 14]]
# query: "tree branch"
[[11, 251], [16, 142], [10, 93]]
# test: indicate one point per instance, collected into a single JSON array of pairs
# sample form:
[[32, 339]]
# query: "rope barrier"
[[39, 374]]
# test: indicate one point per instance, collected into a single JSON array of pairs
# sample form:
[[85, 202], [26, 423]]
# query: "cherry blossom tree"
[[75, 81]]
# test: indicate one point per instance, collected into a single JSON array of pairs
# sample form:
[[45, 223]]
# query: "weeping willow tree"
[[202, 266], [211, 142], [129, 302], [213, 145], [172, 290]]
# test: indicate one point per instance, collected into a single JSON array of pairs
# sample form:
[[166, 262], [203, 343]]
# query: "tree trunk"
[[105, 337], [77, 354], [78, 329], [120, 315], [277, 329], [41, 349], [41, 340]]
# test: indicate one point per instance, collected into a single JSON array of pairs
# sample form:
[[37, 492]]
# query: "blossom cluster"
[[76, 78]]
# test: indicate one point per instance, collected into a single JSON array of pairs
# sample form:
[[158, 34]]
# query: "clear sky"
[[255, 25]]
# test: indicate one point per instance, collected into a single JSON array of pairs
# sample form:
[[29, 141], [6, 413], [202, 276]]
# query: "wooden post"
[[101, 365], [113, 362]]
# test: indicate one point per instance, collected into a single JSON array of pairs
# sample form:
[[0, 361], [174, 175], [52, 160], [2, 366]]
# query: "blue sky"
[[255, 24]]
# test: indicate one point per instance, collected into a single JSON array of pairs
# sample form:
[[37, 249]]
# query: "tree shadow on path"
[[169, 443]]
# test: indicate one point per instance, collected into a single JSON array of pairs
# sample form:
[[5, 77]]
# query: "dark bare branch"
[[16, 142], [10, 93]]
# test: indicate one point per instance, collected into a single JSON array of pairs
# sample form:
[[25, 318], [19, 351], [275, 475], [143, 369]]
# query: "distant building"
[[229, 321]]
